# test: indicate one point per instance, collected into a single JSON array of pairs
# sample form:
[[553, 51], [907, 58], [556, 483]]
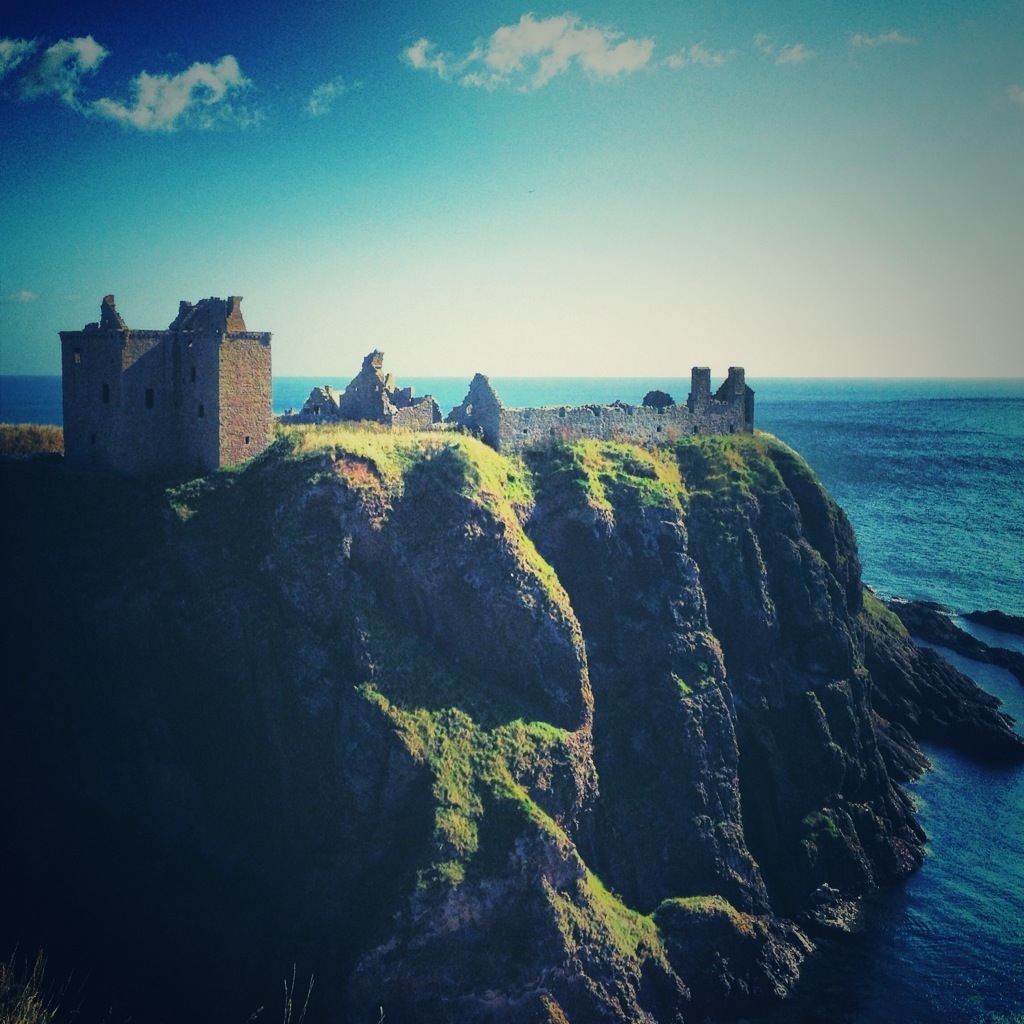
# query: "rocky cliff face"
[[605, 734]]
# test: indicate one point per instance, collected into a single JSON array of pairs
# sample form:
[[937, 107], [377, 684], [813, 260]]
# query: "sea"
[[931, 474]]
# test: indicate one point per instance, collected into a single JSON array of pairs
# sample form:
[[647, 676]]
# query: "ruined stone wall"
[[420, 416], [635, 423], [245, 416], [730, 410], [481, 412]]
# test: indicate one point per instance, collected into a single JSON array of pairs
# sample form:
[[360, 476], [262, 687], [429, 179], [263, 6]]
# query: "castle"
[[197, 396], [191, 398]]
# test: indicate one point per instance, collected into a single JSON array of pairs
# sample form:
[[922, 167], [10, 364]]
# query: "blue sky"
[[810, 188]]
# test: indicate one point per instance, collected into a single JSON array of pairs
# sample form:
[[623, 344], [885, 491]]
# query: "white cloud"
[[696, 54], [893, 38], [23, 296], [13, 52], [322, 98], [795, 53], [791, 53], [199, 97], [422, 55], [58, 71], [1016, 94], [530, 53]]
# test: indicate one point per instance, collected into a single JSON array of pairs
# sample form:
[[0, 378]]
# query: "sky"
[[815, 188]]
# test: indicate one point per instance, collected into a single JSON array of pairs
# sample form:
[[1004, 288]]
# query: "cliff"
[[601, 734]]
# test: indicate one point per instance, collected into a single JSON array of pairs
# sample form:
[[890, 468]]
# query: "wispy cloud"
[[1016, 95], [893, 38], [791, 53], [795, 53], [200, 97], [59, 69], [23, 296], [13, 52], [696, 54], [423, 56], [322, 98], [530, 53]]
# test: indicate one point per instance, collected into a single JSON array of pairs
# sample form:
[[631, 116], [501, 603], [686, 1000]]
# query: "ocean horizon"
[[930, 472], [36, 398]]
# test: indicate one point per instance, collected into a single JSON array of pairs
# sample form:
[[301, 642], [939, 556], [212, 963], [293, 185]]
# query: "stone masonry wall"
[[636, 423], [187, 399], [730, 410], [245, 416]]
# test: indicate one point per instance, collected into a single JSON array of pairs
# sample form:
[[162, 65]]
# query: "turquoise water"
[[931, 473]]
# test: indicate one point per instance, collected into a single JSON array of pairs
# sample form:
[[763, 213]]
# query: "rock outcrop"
[[607, 733]]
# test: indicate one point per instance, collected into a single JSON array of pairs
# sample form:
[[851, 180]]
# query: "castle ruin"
[[191, 398], [197, 396], [371, 395], [730, 410]]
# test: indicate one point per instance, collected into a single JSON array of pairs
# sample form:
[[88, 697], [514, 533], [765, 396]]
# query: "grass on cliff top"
[[434, 466], [393, 451], [24, 440], [733, 465], [602, 473]]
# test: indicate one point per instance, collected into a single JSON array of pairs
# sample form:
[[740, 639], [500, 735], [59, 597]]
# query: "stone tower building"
[[190, 398]]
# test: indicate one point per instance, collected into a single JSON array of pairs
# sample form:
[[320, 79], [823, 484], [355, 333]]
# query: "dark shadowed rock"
[[996, 619], [932, 622], [609, 734]]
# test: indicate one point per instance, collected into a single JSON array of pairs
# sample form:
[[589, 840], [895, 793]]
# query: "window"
[[246, 438], [193, 375], [106, 394], [150, 398], [202, 410], [77, 355]]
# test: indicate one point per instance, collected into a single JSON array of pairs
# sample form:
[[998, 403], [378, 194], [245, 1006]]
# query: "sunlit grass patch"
[[23, 440]]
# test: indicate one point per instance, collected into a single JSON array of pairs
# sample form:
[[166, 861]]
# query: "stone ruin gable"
[[729, 411], [322, 404], [480, 412], [191, 398], [371, 395]]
